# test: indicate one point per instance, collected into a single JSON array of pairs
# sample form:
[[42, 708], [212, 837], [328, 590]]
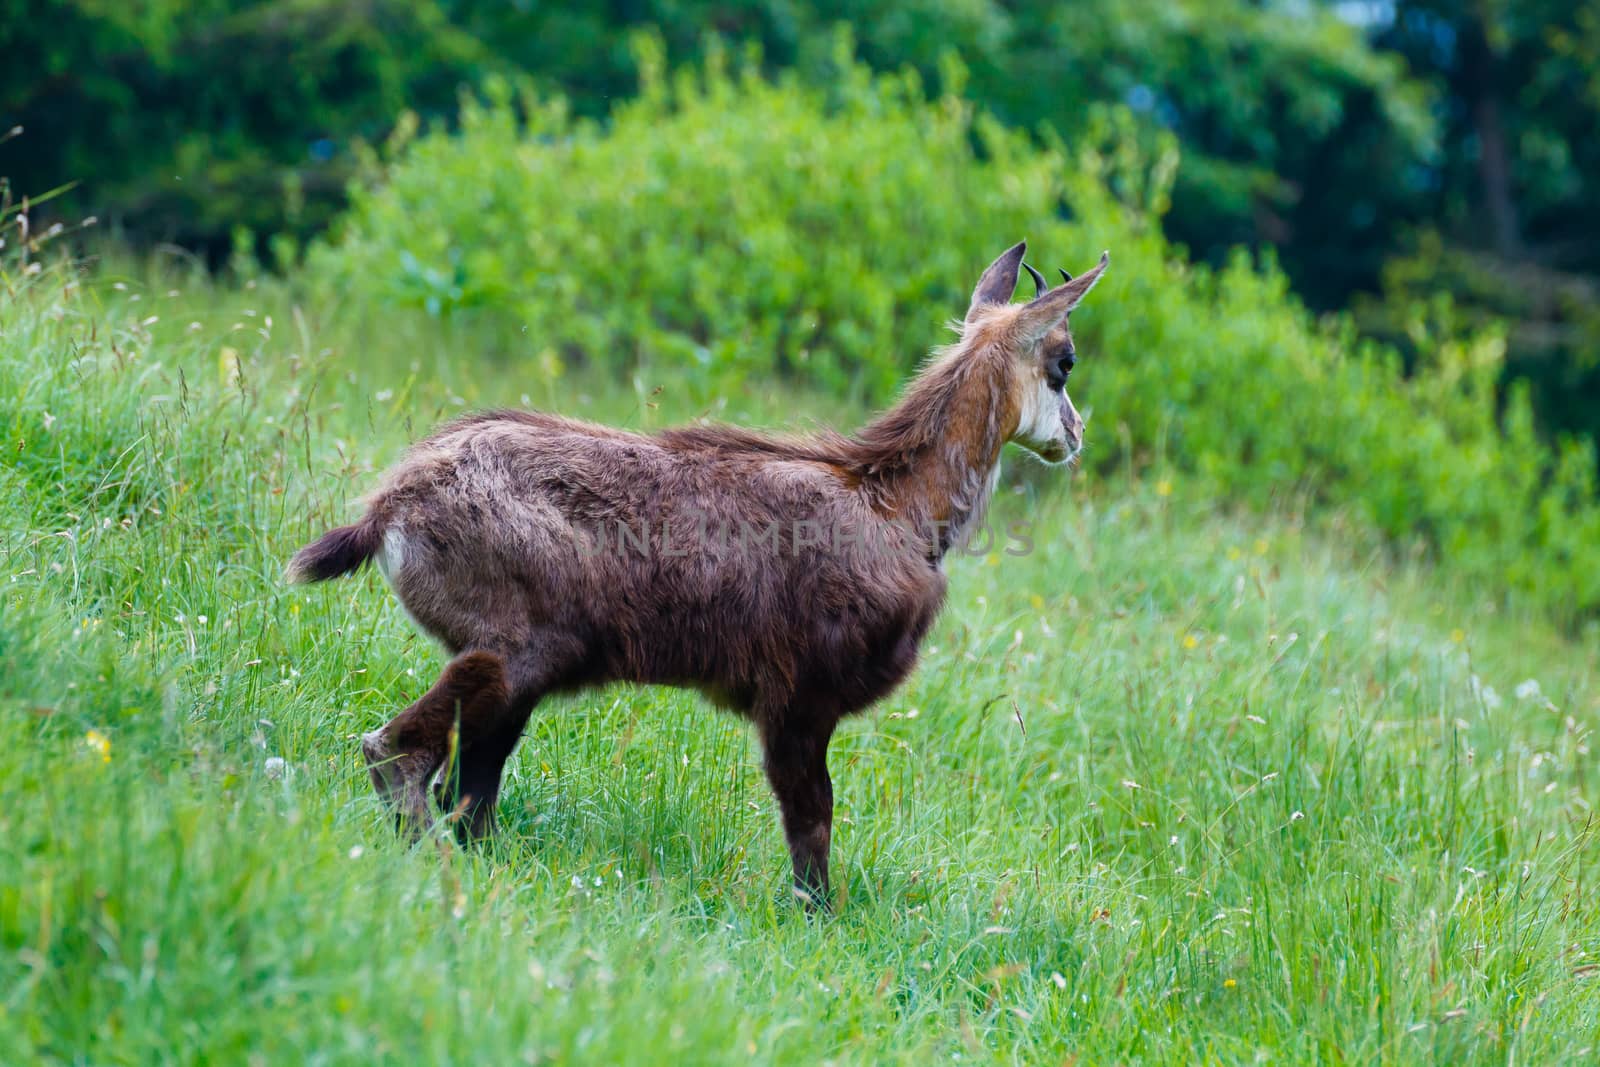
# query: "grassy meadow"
[[1186, 784]]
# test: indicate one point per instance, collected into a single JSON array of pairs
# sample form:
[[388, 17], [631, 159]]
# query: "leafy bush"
[[723, 220], [758, 228], [1551, 313]]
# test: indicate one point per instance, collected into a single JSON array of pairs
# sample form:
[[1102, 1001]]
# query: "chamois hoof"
[[399, 780], [815, 903], [375, 750]]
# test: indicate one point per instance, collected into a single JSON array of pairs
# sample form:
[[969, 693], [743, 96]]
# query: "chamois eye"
[[1056, 370]]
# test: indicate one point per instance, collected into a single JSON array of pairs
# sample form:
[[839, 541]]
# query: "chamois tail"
[[336, 552]]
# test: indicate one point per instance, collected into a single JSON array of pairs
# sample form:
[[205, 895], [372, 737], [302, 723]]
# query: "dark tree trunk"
[[1480, 89]]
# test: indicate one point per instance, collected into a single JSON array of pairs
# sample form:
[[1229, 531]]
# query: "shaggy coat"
[[789, 579]]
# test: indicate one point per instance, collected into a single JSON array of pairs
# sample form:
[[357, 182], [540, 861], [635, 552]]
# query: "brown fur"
[[485, 530]]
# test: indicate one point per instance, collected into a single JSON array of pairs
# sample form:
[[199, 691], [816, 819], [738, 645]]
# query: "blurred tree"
[[187, 118], [1510, 224], [1284, 117]]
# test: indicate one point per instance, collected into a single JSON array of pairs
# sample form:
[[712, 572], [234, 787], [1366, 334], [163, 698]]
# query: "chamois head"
[[1034, 342]]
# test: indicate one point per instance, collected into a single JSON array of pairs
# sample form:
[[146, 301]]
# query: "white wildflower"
[[1485, 693]]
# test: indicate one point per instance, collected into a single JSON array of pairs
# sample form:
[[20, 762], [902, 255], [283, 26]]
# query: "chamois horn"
[[1040, 286]]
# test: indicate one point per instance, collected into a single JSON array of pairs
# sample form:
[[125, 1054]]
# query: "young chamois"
[[789, 579]]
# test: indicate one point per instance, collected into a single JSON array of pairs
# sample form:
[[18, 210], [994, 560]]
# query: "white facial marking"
[[1040, 426]]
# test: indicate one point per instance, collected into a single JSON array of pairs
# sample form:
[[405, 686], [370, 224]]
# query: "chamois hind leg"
[[469, 789], [404, 754], [797, 768]]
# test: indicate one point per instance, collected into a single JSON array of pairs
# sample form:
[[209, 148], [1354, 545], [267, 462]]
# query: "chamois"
[[494, 533]]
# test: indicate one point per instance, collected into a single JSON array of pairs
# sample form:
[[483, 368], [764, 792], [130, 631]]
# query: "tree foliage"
[[1508, 218], [188, 119], [183, 120]]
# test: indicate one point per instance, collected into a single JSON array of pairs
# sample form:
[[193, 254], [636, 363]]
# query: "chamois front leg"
[[404, 754], [797, 768], [470, 790]]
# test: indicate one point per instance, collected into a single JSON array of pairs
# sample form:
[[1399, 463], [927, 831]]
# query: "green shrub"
[[723, 220], [752, 227]]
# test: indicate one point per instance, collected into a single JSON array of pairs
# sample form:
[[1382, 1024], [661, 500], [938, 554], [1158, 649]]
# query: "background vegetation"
[[1389, 152], [1278, 745]]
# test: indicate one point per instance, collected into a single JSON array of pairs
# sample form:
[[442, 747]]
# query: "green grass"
[[1181, 786]]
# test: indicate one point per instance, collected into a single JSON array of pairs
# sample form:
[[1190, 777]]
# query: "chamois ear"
[[1041, 315], [999, 281]]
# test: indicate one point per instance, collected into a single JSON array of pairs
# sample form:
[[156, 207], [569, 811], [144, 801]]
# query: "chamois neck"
[[931, 460]]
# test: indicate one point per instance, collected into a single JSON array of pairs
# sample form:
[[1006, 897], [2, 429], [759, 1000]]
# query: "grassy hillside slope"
[[1178, 785]]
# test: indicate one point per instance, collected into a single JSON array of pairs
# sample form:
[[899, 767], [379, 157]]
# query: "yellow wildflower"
[[1163, 488], [1191, 641], [98, 742], [1458, 635], [1229, 984]]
